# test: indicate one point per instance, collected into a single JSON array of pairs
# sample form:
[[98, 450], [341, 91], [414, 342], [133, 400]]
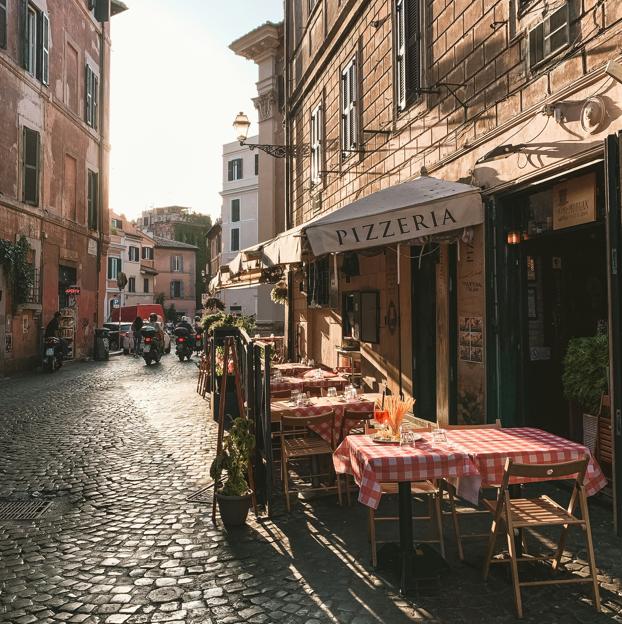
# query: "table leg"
[[406, 533]]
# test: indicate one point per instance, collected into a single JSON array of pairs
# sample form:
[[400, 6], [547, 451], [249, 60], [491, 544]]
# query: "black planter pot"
[[233, 509]]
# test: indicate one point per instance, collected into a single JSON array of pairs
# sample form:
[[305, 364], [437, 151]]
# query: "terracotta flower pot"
[[233, 509]]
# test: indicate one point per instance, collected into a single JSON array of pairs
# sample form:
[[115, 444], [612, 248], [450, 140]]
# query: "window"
[[549, 36], [147, 253], [3, 21], [316, 146], [134, 254], [30, 171], [235, 239], [256, 164], [349, 122], [117, 223], [235, 169], [131, 284], [146, 284], [177, 264], [92, 97], [114, 267], [177, 290], [92, 199], [319, 283], [407, 52], [145, 221], [361, 316], [36, 54], [235, 210]]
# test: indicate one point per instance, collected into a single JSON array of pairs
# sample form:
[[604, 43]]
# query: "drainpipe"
[[100, 177]]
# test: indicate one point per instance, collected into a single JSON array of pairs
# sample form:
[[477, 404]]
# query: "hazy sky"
[[175, 90]]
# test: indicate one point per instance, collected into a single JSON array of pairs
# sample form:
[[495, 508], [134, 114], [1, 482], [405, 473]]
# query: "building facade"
[[131, 252], [175, 264], [54, 72]]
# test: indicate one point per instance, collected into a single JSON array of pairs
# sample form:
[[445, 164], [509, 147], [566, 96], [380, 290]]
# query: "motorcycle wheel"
[[147, 361], [49, 364], [181, 357]]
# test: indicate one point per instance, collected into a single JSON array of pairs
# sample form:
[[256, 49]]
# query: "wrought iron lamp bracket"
[[279, 151]]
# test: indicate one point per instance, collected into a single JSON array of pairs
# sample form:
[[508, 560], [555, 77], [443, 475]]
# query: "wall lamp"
[[501, 151], [241, 124]]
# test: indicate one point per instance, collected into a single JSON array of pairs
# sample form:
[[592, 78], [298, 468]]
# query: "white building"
[[241, 228]]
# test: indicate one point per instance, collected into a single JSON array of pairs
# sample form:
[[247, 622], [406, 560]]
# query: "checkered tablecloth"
[[291, 369], [489, 448], [298, 383], [372, 464], [325, 382], [320, 405], [282, 384]]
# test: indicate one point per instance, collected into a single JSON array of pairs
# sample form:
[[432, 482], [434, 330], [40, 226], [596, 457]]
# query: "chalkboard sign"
[[370, 316]]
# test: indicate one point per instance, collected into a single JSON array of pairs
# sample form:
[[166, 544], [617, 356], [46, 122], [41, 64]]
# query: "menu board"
[[471, 344]]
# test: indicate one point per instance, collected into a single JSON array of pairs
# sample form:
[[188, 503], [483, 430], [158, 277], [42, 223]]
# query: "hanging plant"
[[19, 272], [279, 293], [214, 303]]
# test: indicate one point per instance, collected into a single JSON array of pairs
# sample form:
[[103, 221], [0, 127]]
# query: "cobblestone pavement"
[[118, 447]]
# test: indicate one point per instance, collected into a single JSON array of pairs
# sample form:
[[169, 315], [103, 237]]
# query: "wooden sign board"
[[574, 202]]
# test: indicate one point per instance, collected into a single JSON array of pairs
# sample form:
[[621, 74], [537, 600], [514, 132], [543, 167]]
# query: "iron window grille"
[[34, 292]]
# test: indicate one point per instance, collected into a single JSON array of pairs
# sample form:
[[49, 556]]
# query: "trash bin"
[[102, 344]]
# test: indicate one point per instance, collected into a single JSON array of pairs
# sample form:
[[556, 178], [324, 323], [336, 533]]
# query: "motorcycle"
[[183, 341], [198, 341], [52, 354], [151, 347]]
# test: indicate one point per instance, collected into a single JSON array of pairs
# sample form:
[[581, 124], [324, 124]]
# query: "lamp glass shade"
[[241, 126]]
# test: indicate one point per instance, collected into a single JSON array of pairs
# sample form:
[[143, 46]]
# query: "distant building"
[[54, 135], [133, 253], [214, 250], [175, 264], [161, 221]]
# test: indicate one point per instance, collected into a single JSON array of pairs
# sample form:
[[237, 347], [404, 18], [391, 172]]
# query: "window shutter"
[[240, 169], [181, 290], [172, 263], [230, 170], [45, 52], [87, 94], [23, 19], [95, 99], [172, 289], [109, 267], [412, 26], [3, 25], [181, 263], [400, 54]]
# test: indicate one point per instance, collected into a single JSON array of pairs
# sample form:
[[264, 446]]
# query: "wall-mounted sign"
[[574, 202], [471, 344], [92, 248], [72, 290], [115, 303]]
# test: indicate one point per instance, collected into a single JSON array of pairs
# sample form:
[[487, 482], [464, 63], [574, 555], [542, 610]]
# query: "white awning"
[[421, 207]]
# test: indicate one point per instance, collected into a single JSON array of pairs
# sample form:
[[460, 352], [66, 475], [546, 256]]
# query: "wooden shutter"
[[95, 99], [109, 267], [23, 21], [45, 49], [3, 26], [230, 170], [240, 169], [345, 112], [30, 173], [181, 289], [172, 289], [412, 31], [172, 264], [87, 94], [400, 55], [181, 263]]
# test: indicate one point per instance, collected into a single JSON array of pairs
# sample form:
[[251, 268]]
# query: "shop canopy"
[[422, 207]]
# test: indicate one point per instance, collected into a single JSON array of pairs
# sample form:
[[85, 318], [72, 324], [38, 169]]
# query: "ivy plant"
[[19, 272]]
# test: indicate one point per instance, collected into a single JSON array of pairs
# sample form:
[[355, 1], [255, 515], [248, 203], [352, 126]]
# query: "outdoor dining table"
[[292, 369], [475, 457], [319, 405], [282, 384]]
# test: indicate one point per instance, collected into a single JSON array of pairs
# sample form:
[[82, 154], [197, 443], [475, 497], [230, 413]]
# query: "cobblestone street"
[[118, 447]]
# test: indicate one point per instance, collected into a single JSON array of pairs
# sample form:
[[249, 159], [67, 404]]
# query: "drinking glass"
[[332, 392], [407, 437], [302, 399], [381, 416], [439, 437], [312, 363], [294, 396]]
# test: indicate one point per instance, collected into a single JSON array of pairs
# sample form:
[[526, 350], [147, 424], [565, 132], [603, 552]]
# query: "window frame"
[[131, 284], [136, 254], [112, 261], [407, 83], [177, 264], [146, 285], [116, 223], [349, 125], [317, 144], [354, 312], [544, 25], [235, 169], [36, 43], [147, 253], [176, 293], [319, 283], [91, 95]]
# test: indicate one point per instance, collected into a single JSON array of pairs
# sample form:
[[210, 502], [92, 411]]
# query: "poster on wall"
[[471, 344]]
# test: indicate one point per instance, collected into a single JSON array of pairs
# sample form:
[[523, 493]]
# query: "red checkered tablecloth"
[[291, 369], [321, 405], [372, 464], [489, 448], [282, 384], [325, 382]]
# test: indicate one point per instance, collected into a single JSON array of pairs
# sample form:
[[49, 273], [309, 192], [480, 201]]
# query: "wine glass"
[[381, 416]]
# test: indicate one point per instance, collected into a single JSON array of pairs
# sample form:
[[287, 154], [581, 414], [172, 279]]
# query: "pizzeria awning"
[[422, 207]]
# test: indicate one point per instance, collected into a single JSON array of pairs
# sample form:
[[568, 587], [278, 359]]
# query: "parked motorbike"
[[151, 347], [184, 343], [52, 354]]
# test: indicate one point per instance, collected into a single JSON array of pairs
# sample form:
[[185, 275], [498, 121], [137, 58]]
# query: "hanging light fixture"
[[513, 237]]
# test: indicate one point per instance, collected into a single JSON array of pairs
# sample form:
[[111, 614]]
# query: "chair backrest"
[[494, 425], [281, 394], [545, 472], [301, 426], [352, 420], [604, 437]]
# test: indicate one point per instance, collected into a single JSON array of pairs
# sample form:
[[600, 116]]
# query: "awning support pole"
[[399, 319]]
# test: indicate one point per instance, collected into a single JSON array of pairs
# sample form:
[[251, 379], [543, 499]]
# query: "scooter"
[[151, 347], [52, 354], [183, 343], [198, 341]]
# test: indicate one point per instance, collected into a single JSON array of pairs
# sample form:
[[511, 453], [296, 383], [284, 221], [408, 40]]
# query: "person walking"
[[136, 327]]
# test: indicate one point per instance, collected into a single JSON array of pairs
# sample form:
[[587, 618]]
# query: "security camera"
[[614, 69]]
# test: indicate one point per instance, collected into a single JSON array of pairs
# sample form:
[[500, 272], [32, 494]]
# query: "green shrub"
[[585, 371]]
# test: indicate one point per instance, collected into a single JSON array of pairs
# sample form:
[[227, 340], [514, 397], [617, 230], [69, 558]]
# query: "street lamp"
[[241, 125]]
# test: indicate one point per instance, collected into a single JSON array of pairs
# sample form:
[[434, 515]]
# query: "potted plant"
[[279, 293], [585, 379], [234, 494]]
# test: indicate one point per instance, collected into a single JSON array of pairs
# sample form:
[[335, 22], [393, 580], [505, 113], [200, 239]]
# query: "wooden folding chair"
[[455, 514], [604, 438], [428, 489], [526, 513], [281, 394], [299, 441]]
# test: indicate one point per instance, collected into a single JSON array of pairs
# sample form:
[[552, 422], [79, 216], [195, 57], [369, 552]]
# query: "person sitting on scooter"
[[53, 331], [153, 320], [186, 325]]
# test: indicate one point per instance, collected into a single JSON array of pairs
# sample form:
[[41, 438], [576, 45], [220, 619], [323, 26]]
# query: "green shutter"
[[23, 26], [412, 26], [3, 26]]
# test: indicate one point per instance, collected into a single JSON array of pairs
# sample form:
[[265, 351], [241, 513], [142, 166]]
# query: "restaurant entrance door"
[[564, 286]]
